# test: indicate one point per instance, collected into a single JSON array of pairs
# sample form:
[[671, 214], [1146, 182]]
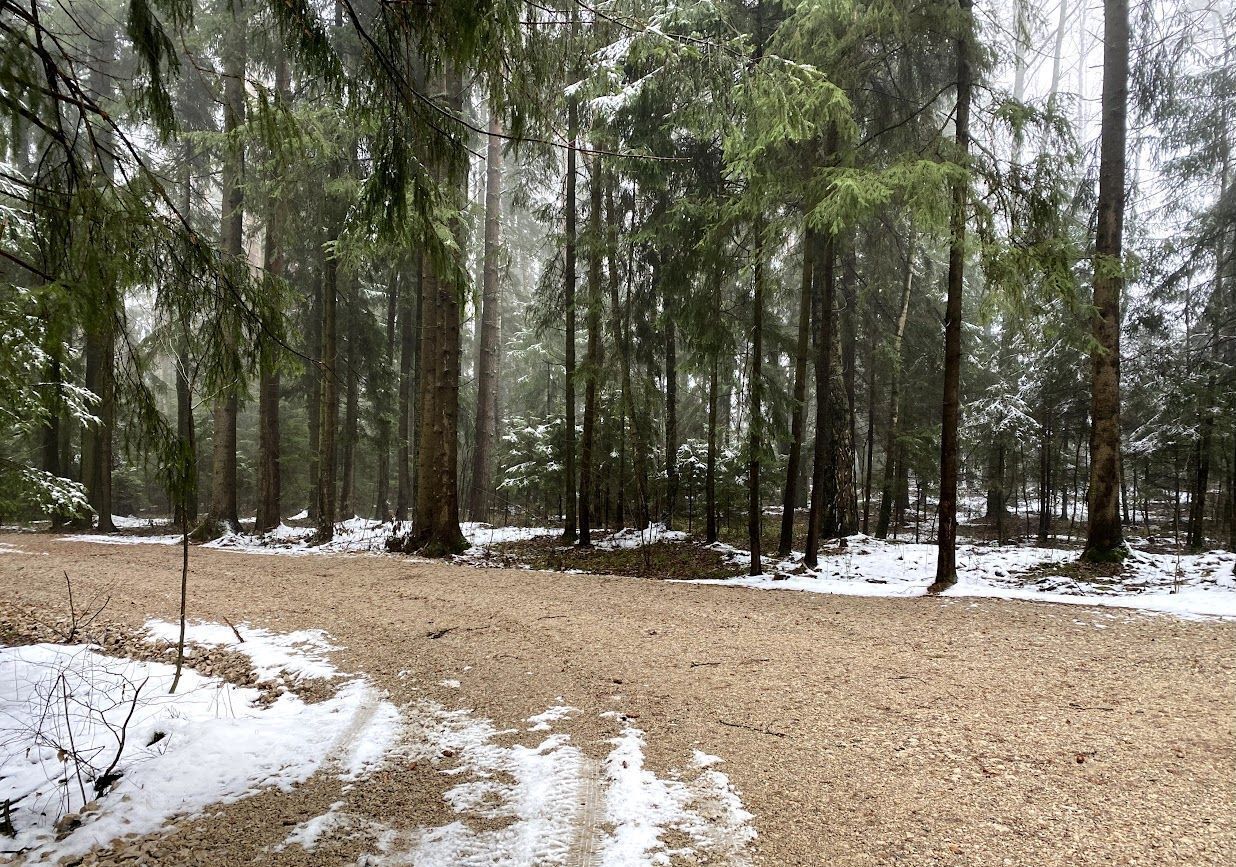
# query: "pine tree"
[[269, 380], [887, 492], [1104, 535], [435, 525], [569, 526], [592, 361], [946, 562], [489, 348], [798, 423], [224, 513]]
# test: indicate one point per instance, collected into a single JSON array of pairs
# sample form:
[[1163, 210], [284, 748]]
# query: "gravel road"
[[859, 731]]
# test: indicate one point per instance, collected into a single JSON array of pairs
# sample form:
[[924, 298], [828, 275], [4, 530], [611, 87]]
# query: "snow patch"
[[542, 722], [67, 711], [1186, 585], [353, 536], [307, 833], [130, 522], [643, 807], [103, 539], [547, 803], [301, 654]]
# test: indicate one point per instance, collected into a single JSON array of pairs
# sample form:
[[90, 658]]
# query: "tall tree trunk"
[[409, 327], [436, 531], [842, 460], [313, 391], [488, 348], [714, 362], [185, 507], [223, 507], [269, 499], [268, 511], [101, 329], [186, 432], [755, 426], [351, 416], [710, 477], [1058, 53], [997, 498], [622, 339], [887, 490], [592, 362], [383, 397], [946, 532], [824, 286], [798, 417], [901, 488], [612, 278], [97, 438], [848, 507], [870, 429], [1045, 498], [568, 447], [50, 433], [330, 398], [671, 420], [1104, 535], [1195, 535], [1061, 466]]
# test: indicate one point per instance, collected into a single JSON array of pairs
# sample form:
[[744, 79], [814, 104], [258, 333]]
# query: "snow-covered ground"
[[130, 522], [359, 535], [483, 538], [1185, 584], [300, 654], [544, 801], [362, 535], [69, 715], [105, 539], [94, 748], [354, 536]]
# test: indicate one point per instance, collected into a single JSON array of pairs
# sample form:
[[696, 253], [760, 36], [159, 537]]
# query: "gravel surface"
[[859, 731]]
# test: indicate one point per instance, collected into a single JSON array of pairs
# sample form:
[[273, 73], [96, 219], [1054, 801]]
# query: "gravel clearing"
[[859, 731]]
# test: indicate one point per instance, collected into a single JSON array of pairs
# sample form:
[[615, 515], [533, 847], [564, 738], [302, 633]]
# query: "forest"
[[861, 264], [406, 404]]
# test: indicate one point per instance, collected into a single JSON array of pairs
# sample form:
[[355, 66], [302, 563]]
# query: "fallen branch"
[[235, 631], [447, 630], [1077, 706], [763, 731]]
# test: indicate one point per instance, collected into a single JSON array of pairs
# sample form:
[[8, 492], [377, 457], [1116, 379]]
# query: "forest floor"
[[855, 730]]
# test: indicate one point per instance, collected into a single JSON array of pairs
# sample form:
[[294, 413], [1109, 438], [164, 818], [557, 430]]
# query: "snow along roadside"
[[67, 713], [1185, 585]]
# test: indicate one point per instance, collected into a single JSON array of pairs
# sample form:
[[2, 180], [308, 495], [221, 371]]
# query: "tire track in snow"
[[587, 838], [340, 755]]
